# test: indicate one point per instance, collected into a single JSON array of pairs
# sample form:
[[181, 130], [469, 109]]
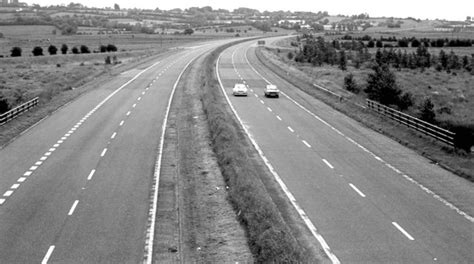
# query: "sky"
[[422, 9]]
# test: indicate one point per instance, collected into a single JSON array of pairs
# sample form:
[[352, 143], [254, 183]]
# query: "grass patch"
[[270, 237], [460, 163]]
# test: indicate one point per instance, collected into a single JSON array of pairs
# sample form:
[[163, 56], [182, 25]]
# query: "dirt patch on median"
[[196, 222]]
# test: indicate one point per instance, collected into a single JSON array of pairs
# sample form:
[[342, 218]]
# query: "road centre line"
[[269, 109], [328, 164], [421, 186], [73, 207], [103, 152], [134, 105], [357, 190], [261, 101], [2, 201], [291, 129], [402, 230], [28, 173], [15, 186], [21, 179], [128, 113], [32, 168], [121, 123], [48, 255], [38, 163], [113, 135], [290, 196], [278, 117], [8, 193]]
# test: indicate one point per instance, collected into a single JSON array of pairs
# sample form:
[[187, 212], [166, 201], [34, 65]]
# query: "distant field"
[[23, 31]]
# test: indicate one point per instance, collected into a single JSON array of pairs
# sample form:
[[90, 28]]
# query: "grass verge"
[[271, 237], [436, 151]]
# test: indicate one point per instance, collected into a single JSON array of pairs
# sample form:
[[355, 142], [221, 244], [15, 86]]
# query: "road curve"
[[371, 199], [76, 188]]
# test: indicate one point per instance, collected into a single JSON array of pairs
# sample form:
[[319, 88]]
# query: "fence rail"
[[426, 128], [7, 116]]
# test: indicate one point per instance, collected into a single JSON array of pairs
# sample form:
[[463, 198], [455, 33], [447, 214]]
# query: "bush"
[[37, 51], [427, 112], [103, 48], [350, 84], [75, 50], [111, 48], [64, 49], [52, 50], [107, 60], [16, 52], [290, 55], [85, 49]]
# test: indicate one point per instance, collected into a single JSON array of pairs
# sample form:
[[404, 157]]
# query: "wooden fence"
[[426, 128], [7, 116]]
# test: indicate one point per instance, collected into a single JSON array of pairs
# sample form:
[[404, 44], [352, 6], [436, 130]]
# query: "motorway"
[[369, 198], [78, 186]]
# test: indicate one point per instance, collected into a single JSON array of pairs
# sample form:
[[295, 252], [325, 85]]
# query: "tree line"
[[411, 42], [53, 50]]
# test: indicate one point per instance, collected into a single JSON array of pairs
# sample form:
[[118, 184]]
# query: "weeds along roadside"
[[428, 147], [271, 239]]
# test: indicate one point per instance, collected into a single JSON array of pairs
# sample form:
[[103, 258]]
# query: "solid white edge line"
[[48, 255], [156, 174], [290, 196], [402, 230], [73, 207], [421, 186], [328, 164], [357, 190], [91, 174]]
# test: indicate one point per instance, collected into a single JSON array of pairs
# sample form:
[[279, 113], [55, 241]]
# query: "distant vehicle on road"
[[239, 89], [261, 42], [271, 91]]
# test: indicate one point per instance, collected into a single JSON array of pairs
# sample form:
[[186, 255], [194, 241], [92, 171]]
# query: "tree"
[[103, 48], [188, 31], [52, 50], [342, 60], [382, 86], [85, 49], [116, 7], [37, 51], [427, 112], [350, 84], [75, 50], [16, 52], [111, 48], [64, 49]]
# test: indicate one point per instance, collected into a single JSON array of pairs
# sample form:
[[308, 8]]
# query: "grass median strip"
[[270, 237]]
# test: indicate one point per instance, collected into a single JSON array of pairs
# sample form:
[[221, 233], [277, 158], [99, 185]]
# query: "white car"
[[240, 89], [271, 91]]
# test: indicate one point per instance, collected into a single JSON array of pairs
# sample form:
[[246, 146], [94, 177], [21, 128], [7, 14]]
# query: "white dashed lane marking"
[[278, 117], [8, 193], [91, 174], [121, 123], [73, 207], [306, 143], [15, 186], [328, 164], [291, 129], [28, 173], [48, 255], [357, 190], [21, 179], [103, 152], [269, 109], [403, 231], [113, 135]]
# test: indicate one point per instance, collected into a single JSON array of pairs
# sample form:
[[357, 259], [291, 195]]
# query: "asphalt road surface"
[[76, 188], [371, 199]]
